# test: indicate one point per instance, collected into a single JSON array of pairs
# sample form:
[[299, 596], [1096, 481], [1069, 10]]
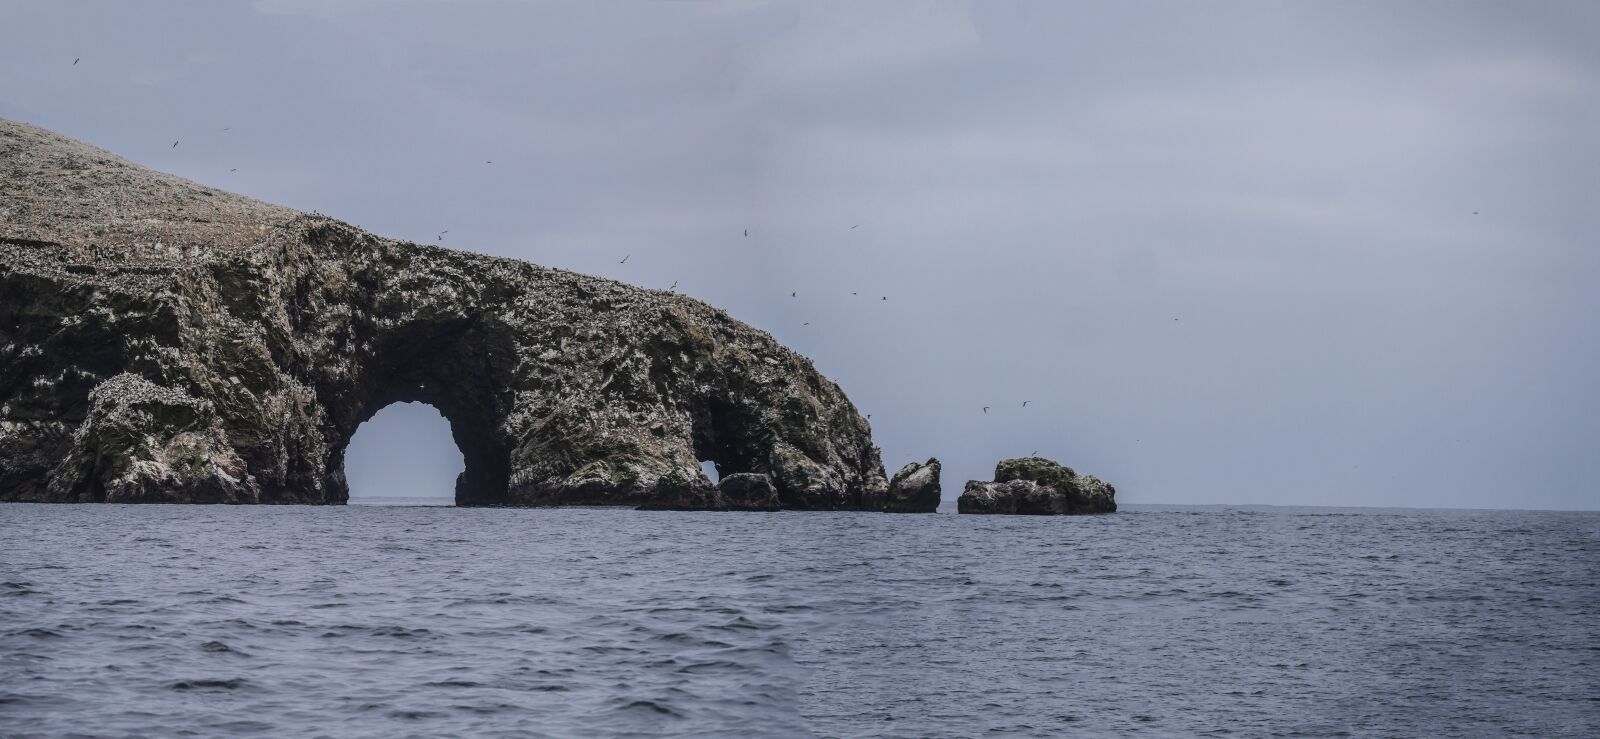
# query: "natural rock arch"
[[164, 341], [406, 452]]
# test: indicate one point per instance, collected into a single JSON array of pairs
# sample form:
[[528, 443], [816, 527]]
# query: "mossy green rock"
[[165, 341]]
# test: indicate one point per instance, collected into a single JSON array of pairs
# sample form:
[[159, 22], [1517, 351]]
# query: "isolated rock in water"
[[915, 488], [748, 491], [1037, 486], [164, 341]]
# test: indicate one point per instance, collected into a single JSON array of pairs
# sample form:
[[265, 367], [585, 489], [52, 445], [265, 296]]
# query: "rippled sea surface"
[[372, 621]]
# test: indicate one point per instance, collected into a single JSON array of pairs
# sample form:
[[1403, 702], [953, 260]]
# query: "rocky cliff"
[[163, 341]]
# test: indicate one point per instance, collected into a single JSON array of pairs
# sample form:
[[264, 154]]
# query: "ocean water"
[[385, 622]]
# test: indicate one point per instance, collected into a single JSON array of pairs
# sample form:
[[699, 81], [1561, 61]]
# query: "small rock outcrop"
[[915, 488], [163, 341], [1037, 486]]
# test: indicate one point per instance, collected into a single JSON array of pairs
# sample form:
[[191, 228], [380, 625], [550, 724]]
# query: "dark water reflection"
[[368, 621]]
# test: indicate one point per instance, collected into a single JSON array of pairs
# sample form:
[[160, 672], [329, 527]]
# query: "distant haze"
[[1334, 253]]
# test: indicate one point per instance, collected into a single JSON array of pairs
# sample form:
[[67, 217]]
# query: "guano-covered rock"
[[1037, 486], [915, 488], [165, 341]]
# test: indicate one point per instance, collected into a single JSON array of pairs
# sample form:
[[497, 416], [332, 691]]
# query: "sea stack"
[[1037, 486], [164, 341], [915, 488]]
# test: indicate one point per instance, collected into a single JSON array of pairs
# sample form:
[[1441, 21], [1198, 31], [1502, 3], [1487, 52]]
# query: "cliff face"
[[165, 341]]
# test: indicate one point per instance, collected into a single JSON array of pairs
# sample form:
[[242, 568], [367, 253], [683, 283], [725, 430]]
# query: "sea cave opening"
[[710, 468], [722, 442], [403, 455]]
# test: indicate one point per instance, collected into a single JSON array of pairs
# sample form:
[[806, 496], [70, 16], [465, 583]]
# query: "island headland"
[[165, 341]]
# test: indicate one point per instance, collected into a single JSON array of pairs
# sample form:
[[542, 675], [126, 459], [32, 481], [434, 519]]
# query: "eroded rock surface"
[[915, 488], [748, 491], [164, 341], [1037, 486]]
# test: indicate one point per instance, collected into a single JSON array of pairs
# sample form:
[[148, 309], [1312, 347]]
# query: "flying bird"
[[792, 295], [440, 237], [488, 161], [807, 323], [624, 259], [1024, 404], [674, 286], [884, 298], [75, 61], [174, 145], [986, 409], [869, 416], [852, 228], [747, 232], [235, 169]]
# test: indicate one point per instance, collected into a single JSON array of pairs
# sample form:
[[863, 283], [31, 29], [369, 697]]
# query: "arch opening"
[[406, 454], [710, 469], [456, 369], [727, 440]]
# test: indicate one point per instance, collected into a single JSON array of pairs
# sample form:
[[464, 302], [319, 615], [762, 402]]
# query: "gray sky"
[[1298, 253]]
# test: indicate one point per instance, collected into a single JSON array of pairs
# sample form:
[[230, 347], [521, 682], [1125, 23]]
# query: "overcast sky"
[[1327, 253]]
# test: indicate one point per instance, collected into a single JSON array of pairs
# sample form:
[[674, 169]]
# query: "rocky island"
[[1037, 486], [164, 341]]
